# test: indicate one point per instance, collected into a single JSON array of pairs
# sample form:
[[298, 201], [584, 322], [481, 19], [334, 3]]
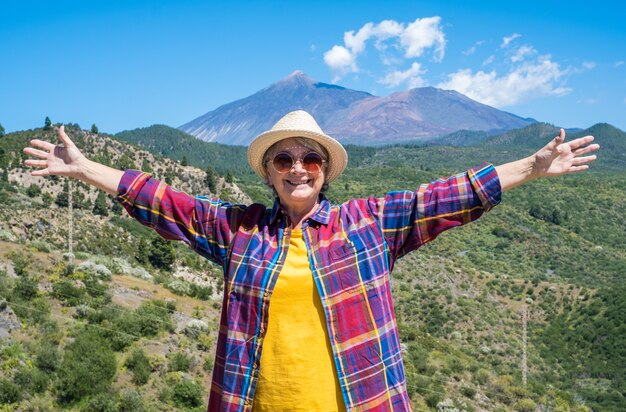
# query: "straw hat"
[[298, 124]]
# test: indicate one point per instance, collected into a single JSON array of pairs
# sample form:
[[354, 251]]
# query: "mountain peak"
[[298, 76], [297, 73]]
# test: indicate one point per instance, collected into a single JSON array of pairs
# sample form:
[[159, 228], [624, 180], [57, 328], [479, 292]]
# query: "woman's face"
[[296, 187]]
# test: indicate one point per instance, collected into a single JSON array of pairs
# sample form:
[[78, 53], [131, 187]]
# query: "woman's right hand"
[[61, 160]]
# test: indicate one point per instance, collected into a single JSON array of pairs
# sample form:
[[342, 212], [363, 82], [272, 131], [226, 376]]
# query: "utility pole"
[[70, 232], [524, 344]]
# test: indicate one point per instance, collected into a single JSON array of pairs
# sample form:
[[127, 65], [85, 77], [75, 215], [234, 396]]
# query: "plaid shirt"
[[352, 249]]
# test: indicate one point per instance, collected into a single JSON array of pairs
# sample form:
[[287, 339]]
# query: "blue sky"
[[128, 64]]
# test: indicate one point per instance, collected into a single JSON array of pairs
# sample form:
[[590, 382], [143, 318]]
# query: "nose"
[[297, 167]]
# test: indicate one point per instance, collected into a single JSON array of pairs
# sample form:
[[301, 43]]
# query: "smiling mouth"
[[298, 183]]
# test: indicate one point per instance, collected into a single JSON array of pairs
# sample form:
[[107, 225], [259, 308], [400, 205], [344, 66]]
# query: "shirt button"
[[261, 331], [255, 365], [247, 402], [266, 294]]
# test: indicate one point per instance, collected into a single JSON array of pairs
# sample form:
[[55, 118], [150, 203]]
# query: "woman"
[[321, 271]]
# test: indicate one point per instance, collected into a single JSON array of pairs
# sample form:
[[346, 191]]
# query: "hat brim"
[[337, 155]]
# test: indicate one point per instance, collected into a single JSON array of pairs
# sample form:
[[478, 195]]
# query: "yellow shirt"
[[297, 371]]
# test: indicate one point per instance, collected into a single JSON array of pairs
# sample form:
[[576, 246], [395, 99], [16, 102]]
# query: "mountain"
[[240, 121], [352, 116]]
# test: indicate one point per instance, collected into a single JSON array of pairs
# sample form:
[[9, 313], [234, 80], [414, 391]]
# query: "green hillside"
[[148, 310]]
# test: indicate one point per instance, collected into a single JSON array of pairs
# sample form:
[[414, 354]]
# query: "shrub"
[[66, 292], [468, 391], [525, 405], [195, 327], [88, 368], [187, 393], [31, 380], [9, 392], [33, 190], [201, 292], [180, 287], [20, 262], [208, 364], [205, 342], [433, 399], [153, 316], [180, 362], [139, 364], [25, 288], [131, 401], [102, 402], [41, 246]]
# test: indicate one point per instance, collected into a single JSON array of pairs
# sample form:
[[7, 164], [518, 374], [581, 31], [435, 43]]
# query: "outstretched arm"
[[67, 160], [554, 159]]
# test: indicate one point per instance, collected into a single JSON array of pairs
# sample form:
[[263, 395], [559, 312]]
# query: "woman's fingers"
[[554, 143], [64, 137], [578, 168], [40, 172], [581, 141], [583, 160], [36, 163], [586, 149], [37, 153], [42, 144]]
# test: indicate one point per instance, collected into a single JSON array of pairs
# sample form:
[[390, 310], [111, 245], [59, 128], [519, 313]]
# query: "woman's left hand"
[[559, 157]]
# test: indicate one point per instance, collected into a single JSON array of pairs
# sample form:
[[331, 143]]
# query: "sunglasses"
[[311, 162]]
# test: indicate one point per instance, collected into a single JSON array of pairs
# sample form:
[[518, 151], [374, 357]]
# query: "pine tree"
[[94, 129], [211, 179], [141, 255], [1, 130], [62, 200], [145, 166], [47, 124], [229, 177], [162, 255], [100, 206], [184, 162]]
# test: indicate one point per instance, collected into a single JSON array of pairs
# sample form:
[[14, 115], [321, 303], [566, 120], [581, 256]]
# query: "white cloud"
[[489, 60], [540, 78], [472, 49], [412, 76], [588, 65], [618, 63], [423, 34], [509, 39], [340, 61], [522, 52], [412, 39]]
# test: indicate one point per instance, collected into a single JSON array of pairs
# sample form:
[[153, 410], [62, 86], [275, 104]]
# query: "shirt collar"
[[321, 215]]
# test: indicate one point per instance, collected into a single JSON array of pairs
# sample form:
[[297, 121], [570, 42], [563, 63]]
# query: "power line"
[[70, 234], [524, 344]]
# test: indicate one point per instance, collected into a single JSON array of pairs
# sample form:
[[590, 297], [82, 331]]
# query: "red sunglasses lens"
[[312, 162], [283, 162]]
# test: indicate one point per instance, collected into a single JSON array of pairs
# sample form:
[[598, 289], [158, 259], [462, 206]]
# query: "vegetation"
[[88, 368], [553, 246]]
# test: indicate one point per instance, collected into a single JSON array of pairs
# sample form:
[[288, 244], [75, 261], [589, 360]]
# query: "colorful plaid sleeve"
[[411, 219], [207, 225]]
